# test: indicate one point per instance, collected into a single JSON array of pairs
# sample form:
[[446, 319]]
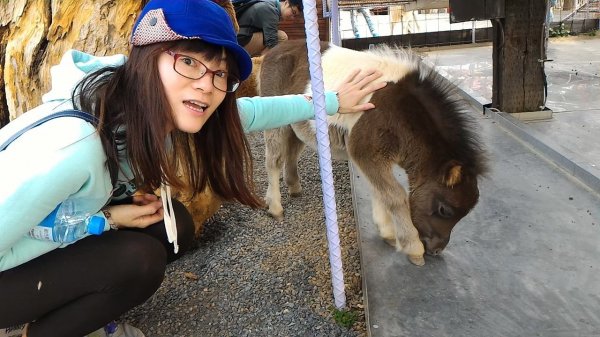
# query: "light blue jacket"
[[63, 158]]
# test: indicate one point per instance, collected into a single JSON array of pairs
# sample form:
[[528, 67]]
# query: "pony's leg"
[[383, 220], [274, 152], [394, 200], [294, 147]]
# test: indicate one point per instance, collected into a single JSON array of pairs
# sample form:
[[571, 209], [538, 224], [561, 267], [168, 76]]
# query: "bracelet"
[[108, 217]]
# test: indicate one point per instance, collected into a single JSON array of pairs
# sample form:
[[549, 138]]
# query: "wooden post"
[[518, 81]]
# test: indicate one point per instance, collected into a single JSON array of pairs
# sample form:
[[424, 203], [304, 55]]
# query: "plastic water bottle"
[[67, 224]]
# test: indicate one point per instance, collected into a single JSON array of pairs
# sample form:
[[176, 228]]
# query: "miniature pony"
[[418, 124]]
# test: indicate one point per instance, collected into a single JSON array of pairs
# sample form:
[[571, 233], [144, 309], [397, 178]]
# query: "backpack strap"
[[66, 113]]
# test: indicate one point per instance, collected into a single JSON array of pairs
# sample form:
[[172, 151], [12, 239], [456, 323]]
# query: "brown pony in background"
[[418, 124]]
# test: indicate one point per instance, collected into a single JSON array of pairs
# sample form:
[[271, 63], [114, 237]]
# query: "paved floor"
[[525, 261]]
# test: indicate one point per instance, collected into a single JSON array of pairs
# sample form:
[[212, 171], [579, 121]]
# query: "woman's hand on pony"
[[356, 87], [145, 210]]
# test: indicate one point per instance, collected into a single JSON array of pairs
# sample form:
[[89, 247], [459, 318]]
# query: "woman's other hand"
[[355, 87], [145, 211]]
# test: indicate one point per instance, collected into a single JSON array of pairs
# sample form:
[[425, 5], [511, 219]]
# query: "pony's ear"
[[452, 174]]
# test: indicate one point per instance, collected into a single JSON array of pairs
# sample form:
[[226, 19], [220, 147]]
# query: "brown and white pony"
[[418, 124]]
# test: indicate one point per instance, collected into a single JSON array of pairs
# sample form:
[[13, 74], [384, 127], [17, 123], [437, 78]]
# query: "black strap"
[[66, 113]]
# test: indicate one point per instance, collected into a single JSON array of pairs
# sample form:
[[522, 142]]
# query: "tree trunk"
[[35, 34], [518, 83]]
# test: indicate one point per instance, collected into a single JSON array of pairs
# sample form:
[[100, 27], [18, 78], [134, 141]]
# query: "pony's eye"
[[445, 211]]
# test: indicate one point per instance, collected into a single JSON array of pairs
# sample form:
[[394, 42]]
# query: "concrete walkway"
[[526, 260]]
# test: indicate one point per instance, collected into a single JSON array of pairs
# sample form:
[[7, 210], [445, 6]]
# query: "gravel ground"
[[253, 276]]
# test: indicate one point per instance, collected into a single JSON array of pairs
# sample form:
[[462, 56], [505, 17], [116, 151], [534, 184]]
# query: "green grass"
[[345, 318]]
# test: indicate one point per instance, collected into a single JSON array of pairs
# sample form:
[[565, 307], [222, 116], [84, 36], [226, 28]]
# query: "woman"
[[166, 112]]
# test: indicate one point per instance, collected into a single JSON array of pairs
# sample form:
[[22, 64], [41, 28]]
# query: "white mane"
[[394, 63], [338, 63]]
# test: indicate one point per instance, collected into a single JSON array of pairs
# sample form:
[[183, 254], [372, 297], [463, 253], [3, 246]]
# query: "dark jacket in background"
[[262, 16]]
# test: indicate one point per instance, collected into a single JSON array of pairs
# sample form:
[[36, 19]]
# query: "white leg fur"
[[383, 220], [273, 163], [391, 206]]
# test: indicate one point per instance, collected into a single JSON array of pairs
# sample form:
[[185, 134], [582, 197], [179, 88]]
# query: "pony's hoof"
[[417, 260], [391, 242], [296, 194], [277, 216]]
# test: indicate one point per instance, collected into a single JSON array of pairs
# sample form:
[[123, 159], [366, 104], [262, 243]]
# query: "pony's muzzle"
[[435, 245]]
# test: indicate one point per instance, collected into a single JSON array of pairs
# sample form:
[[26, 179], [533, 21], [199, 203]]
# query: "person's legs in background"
[[281, 36], [353, 23], [256, 46], [367, 15]]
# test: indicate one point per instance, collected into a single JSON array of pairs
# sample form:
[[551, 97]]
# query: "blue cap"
[[171, 20], [96, 225]]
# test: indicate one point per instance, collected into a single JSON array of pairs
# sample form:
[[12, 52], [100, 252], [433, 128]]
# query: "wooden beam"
[[518, 82]]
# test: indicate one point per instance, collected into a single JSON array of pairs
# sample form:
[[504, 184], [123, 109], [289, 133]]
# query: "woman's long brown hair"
[[132, 107]]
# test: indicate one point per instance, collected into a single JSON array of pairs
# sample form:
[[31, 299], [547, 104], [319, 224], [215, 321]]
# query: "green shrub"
[[559, 31], [345, 318]]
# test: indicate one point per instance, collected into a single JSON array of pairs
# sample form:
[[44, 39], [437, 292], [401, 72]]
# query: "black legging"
[[75, 290]]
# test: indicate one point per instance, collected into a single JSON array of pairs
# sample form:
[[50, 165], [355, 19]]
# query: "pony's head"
[[444, 180], [438, 202]]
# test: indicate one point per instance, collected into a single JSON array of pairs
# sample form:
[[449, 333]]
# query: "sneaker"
[[13, 331], [113, 329]]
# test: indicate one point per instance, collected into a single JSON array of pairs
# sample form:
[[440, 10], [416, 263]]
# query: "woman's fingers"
[[358, 85], [146, 220], [374, 86], [369, 76], [143, 199], [148, 209], [133, 215], [363, 107], [352, 76]]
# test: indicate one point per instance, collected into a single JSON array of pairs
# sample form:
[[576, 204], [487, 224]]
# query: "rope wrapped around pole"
[[316, 78]]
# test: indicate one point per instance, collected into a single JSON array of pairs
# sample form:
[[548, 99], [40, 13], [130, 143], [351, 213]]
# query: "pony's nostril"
[[436, 251]]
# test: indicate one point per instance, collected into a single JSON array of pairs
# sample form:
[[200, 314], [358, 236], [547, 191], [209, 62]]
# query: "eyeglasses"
[[295, 13], [193, 69]]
